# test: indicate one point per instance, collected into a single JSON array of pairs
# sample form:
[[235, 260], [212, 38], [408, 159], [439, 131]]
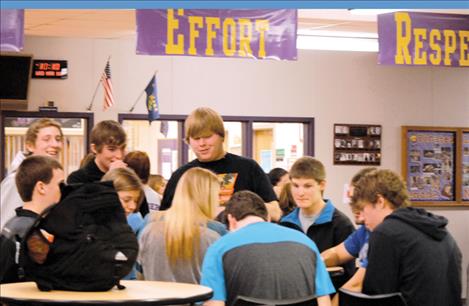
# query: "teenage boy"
[[43, 137], [315, 216], [259, 259], [108, 141], [38, 181], [410, 251], [205, 135]]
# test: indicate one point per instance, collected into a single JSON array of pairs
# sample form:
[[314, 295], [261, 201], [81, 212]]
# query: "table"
[[136, 293]]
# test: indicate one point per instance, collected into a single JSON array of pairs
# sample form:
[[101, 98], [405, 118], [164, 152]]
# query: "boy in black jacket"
[[410, 250], [315, 216], [38, 181]]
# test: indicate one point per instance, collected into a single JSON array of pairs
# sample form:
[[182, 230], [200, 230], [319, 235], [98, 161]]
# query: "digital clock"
[[50, 69]]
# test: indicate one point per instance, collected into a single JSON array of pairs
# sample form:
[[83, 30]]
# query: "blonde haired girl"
[[172, 246], [128, 186]]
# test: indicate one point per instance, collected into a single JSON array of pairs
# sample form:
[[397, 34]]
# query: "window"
[[277, 144], [161, 140], [271, 141]]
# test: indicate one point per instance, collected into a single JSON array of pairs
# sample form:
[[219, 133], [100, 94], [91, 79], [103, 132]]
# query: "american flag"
[[107, 84]]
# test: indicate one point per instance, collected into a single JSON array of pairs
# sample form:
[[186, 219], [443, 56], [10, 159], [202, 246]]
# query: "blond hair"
[[202, 122], [36, 126], [194, 204], [125, 179]]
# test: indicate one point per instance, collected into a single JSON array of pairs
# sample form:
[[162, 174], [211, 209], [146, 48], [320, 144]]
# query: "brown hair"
[[286, 200], [386, 183], [308, 167], [361, 174], [203, 121], [108, 132], [140, 163], [246, 203], [33, 130], [85, 160], [32, 170], [125, 179]]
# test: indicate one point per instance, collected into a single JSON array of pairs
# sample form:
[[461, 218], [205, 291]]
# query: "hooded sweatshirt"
[[412, 252], [10, 198]]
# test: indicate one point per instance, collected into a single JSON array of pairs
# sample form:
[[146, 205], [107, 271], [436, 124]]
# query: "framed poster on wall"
[[357, 144], [433, 165], [465, 165]]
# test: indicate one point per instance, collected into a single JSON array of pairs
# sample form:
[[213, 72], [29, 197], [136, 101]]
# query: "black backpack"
[[92, 247]]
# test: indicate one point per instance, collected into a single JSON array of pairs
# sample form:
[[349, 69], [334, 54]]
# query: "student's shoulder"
[[339, 215], [77, 176], [181, 170]]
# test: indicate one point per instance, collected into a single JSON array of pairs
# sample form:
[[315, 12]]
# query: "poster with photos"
[[465, 166], [357, 144], [430, 165]]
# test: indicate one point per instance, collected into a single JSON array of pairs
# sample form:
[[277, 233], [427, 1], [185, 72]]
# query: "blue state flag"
[[152, 100]]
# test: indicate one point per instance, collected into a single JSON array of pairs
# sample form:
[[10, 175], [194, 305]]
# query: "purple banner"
[[260, 34], [12, 30], [410, 38]]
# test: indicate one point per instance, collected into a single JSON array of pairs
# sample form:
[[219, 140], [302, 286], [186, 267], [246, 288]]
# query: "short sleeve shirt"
[[357, 245]]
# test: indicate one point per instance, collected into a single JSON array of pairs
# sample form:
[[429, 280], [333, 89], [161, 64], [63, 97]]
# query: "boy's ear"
[[381, 202], [40, 187], [232, 223], [30, 147], [322, 185], [93, 148]]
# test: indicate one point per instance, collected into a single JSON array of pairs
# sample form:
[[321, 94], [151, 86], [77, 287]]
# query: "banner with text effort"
[[411, 38], [259, 34]]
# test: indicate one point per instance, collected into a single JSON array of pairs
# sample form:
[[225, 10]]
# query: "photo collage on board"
[[431, 166], [355, 144], [465, 167]]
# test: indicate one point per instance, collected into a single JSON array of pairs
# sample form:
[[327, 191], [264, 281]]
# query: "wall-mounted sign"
[[259, 34], [411, 38], [50, 69]]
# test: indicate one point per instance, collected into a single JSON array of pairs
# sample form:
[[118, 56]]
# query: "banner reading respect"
[[260, 34], [411, 38]]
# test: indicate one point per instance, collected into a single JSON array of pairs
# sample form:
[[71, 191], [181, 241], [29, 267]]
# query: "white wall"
[[332, 87]]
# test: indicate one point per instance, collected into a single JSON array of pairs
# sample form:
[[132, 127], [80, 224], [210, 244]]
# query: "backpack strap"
[[119, 258], [16, 230]]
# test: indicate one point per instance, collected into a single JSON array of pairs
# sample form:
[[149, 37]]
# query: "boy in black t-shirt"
[[205, 134]]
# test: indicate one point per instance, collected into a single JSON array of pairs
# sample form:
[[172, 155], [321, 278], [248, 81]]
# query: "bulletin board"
[[465, 165], [435, 165], [357, 144]]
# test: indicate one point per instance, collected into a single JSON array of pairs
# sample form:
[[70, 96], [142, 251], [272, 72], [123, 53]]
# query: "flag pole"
[[96, 90], [139, 96]]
